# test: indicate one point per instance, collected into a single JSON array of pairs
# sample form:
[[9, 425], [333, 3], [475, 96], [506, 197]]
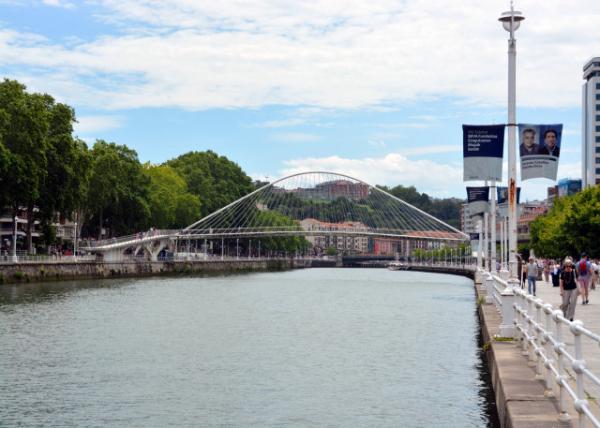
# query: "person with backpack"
[[568, 289], [584, 272]]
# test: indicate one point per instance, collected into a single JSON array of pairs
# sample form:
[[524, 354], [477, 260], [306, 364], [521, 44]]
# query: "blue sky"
[[374, 89]]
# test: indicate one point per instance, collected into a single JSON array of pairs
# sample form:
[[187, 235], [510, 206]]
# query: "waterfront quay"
[[543, 366]]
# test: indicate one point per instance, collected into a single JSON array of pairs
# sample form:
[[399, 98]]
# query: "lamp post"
[[75, 244], [511, 21], [14, 257]]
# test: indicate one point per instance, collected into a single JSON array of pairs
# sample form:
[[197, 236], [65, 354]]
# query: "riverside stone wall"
[[34, 272]]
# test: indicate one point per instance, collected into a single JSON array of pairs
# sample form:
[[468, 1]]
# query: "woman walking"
[[568, 289]]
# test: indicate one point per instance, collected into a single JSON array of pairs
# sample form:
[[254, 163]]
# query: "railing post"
[[530, 331], [578, 367], [488, 283], [507, 297], [548, 392], [539, 356], [561, 379]]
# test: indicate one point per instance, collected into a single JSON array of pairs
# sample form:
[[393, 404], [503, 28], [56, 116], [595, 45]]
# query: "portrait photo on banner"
[[539, 150]]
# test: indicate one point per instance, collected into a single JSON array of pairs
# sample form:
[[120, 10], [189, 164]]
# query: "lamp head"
[[505, 18]]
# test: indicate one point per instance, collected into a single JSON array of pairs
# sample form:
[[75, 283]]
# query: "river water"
[[304, 348]]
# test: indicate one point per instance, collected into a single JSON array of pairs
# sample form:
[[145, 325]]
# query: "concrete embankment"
[[25, 272], [520, 398]]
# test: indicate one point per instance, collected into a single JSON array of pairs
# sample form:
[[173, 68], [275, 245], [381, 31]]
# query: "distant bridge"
[[323, 207]]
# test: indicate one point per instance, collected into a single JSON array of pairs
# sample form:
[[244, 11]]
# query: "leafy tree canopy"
[[216, 180]]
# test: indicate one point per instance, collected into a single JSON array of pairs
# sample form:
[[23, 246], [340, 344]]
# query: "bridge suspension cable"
[[322, 202]]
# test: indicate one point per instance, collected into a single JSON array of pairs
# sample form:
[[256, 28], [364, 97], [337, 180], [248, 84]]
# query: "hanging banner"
[[502, 193], [539, 149], [483, 146], [478, 198]]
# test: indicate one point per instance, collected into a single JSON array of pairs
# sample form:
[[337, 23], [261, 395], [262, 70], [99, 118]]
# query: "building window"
[[597, 128], [597, 96], [597, 149], [597, 139], [597, 170], [597, 160], [597, 117], [597, 107]]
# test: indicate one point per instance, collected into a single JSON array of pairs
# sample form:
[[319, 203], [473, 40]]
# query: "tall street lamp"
[[14, 256], [511, 21]]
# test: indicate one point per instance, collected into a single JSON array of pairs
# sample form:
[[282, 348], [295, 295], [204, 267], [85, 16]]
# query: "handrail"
[[539, 326]]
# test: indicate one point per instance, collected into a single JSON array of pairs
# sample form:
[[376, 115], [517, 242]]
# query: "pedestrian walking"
[[584, 272], [532, 274], [568, 289], [547, 268], [555, 274], [595, 268]]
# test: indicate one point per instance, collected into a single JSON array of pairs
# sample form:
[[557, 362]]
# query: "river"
[[303, 348]]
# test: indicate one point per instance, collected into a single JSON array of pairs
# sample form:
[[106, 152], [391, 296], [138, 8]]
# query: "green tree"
[[171, 205], [216, 180], [570, 227], [118, 190], [24, 119]]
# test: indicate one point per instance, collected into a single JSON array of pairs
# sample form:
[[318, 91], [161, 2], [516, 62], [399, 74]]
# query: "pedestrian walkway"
[[590, 316]]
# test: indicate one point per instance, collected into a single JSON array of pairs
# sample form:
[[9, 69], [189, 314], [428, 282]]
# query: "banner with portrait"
[[502, 198], [483, 146], [539, 150], [478, 199]]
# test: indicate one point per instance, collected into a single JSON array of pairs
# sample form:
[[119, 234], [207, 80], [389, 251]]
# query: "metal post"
[[249, 248], [480, 249], [511, 21], [75, 244], [237, 248], [548, 350], [578, 367], [258, 250], [561, 378], [14, 257], [493, 227], [486, 242], [506, 255], [502, 243], [222, 248]]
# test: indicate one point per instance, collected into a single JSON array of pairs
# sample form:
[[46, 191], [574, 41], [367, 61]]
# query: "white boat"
[[397, 266]]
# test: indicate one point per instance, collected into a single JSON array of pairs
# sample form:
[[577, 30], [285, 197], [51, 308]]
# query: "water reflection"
[[320, 347]]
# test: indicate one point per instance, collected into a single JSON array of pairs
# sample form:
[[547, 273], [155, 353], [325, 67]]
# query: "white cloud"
[[59, 3], [91, 124], [295, 137], [393, 169], [432, 149], [281, 123], [330, 54]]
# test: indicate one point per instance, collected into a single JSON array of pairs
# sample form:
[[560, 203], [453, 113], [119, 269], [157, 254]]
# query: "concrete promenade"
[[590, 316], [519, 396]]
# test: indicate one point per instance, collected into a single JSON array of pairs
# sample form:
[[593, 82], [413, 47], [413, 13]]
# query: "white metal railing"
[[540, 330], [30, 258]]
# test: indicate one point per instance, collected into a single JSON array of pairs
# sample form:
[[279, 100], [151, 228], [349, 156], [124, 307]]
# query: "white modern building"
[[590, 132]]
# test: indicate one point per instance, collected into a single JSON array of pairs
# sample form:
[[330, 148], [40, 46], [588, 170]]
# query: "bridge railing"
[[43, 258], [542, 332], [141, 237]]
